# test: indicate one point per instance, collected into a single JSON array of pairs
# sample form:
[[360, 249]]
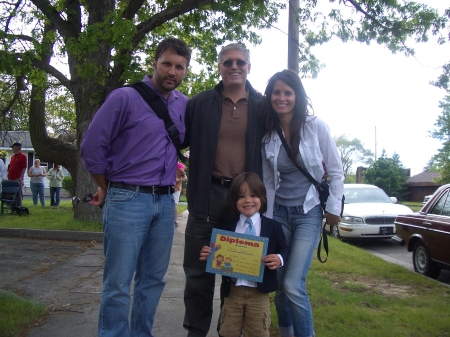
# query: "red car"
[[427, 234]]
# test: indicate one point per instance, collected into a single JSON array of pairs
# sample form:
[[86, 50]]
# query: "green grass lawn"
[[357, 294], [50, 218], [353, 294], [17, 313], [414, 205]]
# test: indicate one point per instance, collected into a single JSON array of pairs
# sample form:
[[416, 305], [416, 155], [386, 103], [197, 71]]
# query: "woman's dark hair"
[[301, 108], [256, 187]]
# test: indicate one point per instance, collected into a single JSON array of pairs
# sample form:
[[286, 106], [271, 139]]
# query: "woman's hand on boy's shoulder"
[[272, 261]]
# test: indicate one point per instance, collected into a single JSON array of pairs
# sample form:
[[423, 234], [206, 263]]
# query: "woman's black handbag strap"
[[323, 234], [302, 169]]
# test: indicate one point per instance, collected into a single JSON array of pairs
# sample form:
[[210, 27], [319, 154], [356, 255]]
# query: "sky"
[[366, 92]]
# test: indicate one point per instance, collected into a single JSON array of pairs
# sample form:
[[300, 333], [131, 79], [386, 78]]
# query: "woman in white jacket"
[[292, 199], [56, 176]]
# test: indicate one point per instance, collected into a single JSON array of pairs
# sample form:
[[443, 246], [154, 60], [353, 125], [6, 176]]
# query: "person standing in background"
[[181, 176], [17, 168], [3, 171], [37, 174], [56, 176]]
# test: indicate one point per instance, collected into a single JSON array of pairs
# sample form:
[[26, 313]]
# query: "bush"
[[67, 184]]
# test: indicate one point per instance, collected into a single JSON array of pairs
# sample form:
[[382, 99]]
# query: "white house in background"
[[7, 138]]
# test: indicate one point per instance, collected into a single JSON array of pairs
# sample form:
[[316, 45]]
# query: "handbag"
[[324, 192]]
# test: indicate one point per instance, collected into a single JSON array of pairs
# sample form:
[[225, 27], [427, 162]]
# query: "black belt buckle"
[[224, 182], [156, 190]]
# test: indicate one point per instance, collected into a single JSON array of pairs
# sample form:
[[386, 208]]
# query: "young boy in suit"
[[246, 307]]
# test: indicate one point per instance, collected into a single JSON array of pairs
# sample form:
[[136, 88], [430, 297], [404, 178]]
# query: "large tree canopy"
[[441, 161], [352, 152], [86, 49], [389, 175]]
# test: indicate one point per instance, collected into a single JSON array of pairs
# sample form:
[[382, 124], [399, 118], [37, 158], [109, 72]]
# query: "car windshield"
[[442, 207], [366, 195]]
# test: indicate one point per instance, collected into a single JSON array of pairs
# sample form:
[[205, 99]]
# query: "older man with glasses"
[[224, 136]]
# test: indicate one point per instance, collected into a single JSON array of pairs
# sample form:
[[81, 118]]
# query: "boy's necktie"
[[250, 228]]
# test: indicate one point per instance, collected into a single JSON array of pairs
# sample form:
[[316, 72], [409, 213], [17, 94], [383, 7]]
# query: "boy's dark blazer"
[[277, 245]]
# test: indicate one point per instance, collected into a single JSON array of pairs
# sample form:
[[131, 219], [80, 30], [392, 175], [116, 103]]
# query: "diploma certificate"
[[237, 255]]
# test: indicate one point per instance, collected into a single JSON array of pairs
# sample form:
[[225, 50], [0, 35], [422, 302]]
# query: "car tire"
[[422, 261], [334, 232]]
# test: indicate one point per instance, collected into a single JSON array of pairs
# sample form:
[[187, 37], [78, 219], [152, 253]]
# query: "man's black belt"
[[222, 182], [144, 189]]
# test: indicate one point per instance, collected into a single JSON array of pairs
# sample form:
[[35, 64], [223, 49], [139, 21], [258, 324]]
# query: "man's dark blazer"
[[277, 245]]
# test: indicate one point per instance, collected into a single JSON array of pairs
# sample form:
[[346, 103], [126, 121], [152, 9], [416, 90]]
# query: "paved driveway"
[[395, 254]]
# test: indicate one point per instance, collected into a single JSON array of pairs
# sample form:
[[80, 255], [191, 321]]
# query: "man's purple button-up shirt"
[[128, 143]]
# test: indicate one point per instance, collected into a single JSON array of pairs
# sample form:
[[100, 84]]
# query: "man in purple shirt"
[[131, 157]]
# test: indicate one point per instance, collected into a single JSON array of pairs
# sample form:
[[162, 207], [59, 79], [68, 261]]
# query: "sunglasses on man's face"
[[239, 63]]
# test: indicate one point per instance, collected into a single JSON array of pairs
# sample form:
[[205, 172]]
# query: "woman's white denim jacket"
[[316, 144]]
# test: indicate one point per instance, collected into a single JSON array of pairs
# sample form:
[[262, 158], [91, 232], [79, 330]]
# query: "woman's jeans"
[[37, 189], [54, 196], [302, 232], [138, 233]]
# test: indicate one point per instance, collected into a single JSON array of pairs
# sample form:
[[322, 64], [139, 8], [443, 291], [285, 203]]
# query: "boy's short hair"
[[256, 186]]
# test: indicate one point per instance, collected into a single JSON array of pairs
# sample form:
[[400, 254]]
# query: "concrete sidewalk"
[[66, 276]]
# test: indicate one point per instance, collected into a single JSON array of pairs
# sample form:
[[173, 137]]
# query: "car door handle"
[[426, 223]]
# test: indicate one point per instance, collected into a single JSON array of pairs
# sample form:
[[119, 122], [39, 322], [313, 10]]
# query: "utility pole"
[[293, 35], [375, 143]]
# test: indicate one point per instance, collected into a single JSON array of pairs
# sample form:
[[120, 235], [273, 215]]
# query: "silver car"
[[368, 213]]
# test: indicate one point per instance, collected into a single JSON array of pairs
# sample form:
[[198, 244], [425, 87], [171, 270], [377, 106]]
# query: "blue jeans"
[[302, 233], [54, 196], [37, 189], [138, 233]]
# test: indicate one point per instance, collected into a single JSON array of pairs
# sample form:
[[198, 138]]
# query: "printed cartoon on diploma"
[[237, 255]]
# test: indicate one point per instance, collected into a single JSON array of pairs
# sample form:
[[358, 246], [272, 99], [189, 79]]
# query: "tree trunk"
[[84, 183], [66, 154], [47, 148]]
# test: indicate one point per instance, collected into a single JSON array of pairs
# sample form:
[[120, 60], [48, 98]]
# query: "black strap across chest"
[[323, 234], [160, 108]]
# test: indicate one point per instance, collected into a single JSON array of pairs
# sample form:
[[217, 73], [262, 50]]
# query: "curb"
[[51, 234]]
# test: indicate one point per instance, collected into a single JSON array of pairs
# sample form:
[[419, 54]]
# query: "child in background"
[[246, 307], [181, 176]]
